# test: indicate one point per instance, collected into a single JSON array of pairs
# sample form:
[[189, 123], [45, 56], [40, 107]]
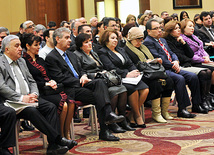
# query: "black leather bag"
[[152, 70], [50, 91], [111, 78]]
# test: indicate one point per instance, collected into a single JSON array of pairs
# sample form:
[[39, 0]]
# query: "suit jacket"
[[111, 61], [205, 35], [60, 71], [88, 64], [158, 52], [7, 81]]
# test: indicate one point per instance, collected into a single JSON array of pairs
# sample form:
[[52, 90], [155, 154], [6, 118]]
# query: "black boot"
[[125, 126], [116, 128]]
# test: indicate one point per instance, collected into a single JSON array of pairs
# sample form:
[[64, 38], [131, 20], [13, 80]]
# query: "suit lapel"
[[7, 66], [207, 33]]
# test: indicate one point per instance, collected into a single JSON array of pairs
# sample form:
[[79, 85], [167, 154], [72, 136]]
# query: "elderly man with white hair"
[[17, 84], [93, 22], [28, 26]]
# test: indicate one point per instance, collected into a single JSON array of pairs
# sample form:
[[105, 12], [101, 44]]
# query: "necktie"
[[167, 53], [211, 33], [20, 79], [70, 65]]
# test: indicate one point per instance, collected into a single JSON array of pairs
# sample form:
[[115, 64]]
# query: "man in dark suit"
[[7, 125], [160, 49], [64, 67], [17, 84], [206, 33]]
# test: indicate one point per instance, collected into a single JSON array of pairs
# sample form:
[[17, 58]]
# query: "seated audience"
[[158, 93], [37, 68], [51, 25], [91, 63], [142, 22], [185, 55], [160, 49], [183, 15], [114, 57], [48, 37], [200, 55], [28, 26], [130, 19], [3, 33], [64, 68], [164, 14], [17, 84], [174, 16], [206, 32]]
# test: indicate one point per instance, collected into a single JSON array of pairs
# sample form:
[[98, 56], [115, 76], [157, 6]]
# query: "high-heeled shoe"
[[135, 125]]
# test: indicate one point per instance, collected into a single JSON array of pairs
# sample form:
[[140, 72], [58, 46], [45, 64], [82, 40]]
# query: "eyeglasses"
[[2, 37], [156, 28], [33, 25]]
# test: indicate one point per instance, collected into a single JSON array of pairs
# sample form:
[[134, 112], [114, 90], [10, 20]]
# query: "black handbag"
[[50, 91], [152, 70], [111, 78]]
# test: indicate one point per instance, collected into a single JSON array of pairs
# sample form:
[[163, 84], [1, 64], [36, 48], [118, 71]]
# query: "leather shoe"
[[199, 109], [113, 118], [54, 149], [185, 114], [5, 151], [135, 125], [69, 143], [26, 126], [115, 128], [211, 98], [107, 136], [125, 126], [204, 103], [209, 104]]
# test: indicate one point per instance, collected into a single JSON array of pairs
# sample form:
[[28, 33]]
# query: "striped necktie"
[[164, 48]]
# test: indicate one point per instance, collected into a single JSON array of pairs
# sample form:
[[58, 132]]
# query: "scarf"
[[142, 53]]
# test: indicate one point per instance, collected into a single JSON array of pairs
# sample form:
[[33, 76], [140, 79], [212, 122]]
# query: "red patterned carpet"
[[178, 136]]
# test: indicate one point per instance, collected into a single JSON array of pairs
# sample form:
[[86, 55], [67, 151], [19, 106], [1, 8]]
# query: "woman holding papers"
[[114, 57], [38, 70], [91, 63], [159, 93]]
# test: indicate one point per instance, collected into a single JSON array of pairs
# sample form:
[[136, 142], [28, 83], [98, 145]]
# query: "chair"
[[92, 121], [17, 128]]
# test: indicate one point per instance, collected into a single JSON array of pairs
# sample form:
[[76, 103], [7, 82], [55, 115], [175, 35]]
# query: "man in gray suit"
[[17, 84]]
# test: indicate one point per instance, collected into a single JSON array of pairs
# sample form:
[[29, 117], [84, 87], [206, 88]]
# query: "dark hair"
[[181, 15], [46, 33], [21, 26], [63, 23], [167, 19], [138, 17], [163, 12], [80, 38], [107, 19], [29, 38], [104, 38], [196, 17], [204, 14], [174, 15], [211, 13], [149, 23], [80, 28], [126, 28], [51, 24], [95, 32]]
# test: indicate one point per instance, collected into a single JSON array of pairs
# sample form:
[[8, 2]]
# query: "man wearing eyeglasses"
[[28, 26], [3, 33], [160, 49]]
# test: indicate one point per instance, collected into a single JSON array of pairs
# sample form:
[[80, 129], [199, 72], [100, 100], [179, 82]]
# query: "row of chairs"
[[92, 122]]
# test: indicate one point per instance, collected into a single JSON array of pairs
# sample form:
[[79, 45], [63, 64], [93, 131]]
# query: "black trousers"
[[44, 118], [94, 92], [7, 124]]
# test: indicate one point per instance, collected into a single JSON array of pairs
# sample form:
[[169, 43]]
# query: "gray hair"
[[26, 22], [39, 27], [6, 41], [147, 12], [92, 19], [4, 29], [59, 32]]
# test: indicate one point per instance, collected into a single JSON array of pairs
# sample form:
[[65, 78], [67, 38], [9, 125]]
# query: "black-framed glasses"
[[156, 28], [2, 37], [33, 25]]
